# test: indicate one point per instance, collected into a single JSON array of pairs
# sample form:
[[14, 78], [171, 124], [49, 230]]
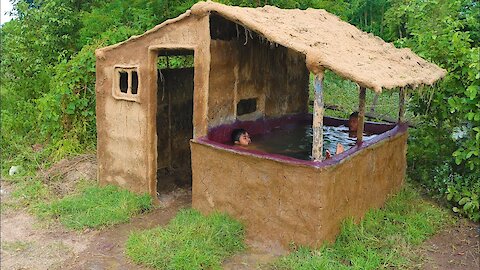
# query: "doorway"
[[174, 118]]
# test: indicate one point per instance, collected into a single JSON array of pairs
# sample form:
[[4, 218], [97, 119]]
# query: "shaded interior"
[[174, 125], [251, 77]]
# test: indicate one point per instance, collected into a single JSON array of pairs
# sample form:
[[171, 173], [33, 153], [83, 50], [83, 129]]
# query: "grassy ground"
[[42, 191], [189, 241], [384, 239], [95, 207]]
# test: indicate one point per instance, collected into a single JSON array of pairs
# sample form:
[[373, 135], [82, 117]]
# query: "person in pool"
[[241, 137], [353, 125], [352, 133]]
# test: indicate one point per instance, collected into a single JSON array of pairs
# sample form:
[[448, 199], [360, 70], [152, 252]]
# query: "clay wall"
[[284, 201], [245, 66], [126, 142]]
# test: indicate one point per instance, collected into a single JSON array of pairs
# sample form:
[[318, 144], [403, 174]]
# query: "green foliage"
[[466, 199], [462, 191], [175, 61], [343, 94], [96, 207], [31, 192], [450, 134], [385, 238], [189, 241], [47, 73], [446, 39], [369, 15]]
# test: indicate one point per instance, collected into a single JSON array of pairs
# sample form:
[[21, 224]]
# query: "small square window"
[[250, 108], [126, 83], [246, 106]]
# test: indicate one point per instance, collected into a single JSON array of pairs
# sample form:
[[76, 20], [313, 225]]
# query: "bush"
[[430, 163]]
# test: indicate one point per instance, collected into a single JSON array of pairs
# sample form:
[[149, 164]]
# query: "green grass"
[[15, 246], [96, 207], [190, 241], [344, 94], [385, 238], [29, 192]]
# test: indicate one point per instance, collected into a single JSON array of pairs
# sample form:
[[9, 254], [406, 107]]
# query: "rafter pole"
[[361, 114], [318, 111], [401, 105]]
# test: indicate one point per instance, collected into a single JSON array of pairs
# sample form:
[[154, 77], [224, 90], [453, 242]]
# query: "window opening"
[[246, 106], [126, 83], [123, 81], [134, 82]]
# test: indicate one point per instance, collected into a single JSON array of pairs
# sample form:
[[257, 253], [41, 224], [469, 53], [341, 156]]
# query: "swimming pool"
[[296, 140], [283, 198]]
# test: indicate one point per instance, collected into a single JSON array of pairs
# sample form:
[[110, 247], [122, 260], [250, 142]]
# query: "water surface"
[[296, 141]]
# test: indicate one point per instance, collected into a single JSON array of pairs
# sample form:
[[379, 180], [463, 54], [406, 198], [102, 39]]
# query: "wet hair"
[[236, 133], [354, 114]]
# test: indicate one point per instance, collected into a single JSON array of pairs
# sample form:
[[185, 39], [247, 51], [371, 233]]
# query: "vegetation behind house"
[[48, 78]]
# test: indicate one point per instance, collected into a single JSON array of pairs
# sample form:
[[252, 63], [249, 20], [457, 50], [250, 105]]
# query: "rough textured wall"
[[284, 202], [126, 132], [243, 66]]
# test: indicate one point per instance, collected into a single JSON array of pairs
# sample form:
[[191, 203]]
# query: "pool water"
[[296, 141]]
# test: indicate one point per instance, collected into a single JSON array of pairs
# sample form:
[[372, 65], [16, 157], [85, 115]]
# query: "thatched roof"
[[327, 42], [330, 43]]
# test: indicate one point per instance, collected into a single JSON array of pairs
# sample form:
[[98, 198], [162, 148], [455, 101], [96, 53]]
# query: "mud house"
[[250, 68]]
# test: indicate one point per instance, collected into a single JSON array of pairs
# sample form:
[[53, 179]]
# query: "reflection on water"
[[296, 141]]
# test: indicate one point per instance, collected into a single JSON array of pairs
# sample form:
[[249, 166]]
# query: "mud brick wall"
[[283, 201], [243, 66], [126, 130]]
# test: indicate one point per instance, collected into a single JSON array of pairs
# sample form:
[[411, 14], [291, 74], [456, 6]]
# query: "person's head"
[[353, 122], [240, 137]]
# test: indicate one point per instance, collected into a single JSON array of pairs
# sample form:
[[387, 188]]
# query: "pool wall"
[[283, 200]]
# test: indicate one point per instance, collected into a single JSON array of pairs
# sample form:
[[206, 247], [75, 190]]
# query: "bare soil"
[[27, 243], [30, 244], [455, 248]]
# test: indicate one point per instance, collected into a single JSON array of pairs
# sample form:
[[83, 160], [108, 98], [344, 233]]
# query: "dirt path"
[[455, 248], [106, 250], [29, 244]]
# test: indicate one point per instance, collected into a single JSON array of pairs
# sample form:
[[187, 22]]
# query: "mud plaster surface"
[[245, 66], [126, 132], [282, 202], [126, 129]]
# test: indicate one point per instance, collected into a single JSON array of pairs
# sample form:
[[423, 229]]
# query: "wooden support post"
[[401, 105], [361, 114], [318, 111]]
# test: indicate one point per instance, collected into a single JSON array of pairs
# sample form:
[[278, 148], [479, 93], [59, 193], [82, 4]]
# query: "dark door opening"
[[174, 119]]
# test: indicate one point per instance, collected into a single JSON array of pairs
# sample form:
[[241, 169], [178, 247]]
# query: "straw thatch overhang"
[[327, 42], [330, 43]]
